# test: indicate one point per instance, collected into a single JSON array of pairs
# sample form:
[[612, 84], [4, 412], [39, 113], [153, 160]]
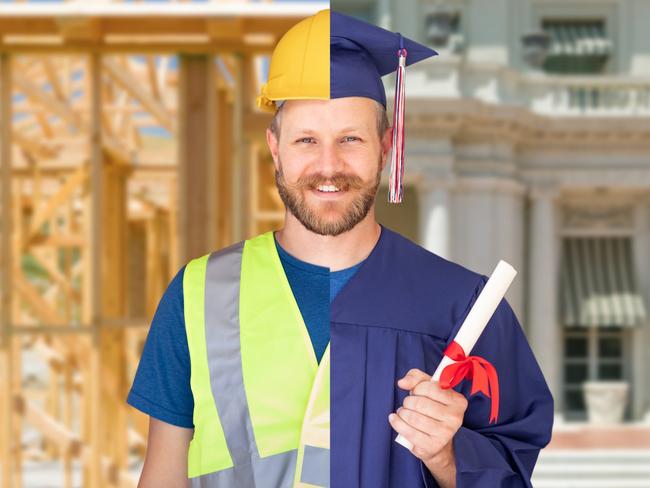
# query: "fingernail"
[[391, 416]]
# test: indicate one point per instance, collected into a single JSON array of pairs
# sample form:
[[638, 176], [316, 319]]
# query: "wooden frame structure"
[[96, 215]]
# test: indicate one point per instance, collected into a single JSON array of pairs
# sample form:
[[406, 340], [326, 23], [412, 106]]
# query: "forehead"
[[333, 114]]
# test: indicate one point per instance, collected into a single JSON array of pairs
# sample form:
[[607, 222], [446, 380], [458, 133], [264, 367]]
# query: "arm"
[[161, 389], [503, 454], [429, 418], [452, 437], [165, 464]]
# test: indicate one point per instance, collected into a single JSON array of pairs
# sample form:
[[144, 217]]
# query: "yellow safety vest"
[[261, 400]]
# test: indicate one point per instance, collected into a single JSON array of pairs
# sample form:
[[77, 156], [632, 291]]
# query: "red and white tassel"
[[395, 185]]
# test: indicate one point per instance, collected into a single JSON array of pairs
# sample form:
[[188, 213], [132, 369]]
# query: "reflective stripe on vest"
[[261, 401]]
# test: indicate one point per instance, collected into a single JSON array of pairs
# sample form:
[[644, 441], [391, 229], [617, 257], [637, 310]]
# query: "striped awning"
[[598, 285], [583, 39]]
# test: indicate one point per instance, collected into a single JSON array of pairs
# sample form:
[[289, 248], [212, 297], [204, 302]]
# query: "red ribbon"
[[483, 375]]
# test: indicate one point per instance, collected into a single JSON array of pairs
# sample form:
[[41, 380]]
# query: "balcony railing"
[[587, 95]]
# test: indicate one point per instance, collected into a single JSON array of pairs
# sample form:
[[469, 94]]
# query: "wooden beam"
[[130, 44], [39, 306], [223, 164], [125, 79], [8, 444], [53, 77], [94, 251], [256, 123], [52, 430], [38, 148], [154, 81], [231, 28], [239, 153], [61, 109], [37, 94], [80, 29], [43, 214], [195, 156]]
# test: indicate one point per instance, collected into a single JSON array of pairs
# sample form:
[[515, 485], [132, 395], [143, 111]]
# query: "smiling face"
[[328, 161]]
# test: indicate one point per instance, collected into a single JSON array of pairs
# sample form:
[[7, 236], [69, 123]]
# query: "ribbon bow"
[[483, 375]]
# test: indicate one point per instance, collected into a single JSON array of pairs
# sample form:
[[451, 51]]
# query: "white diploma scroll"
[[476, 320]]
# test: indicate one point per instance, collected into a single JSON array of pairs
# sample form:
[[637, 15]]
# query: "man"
[[236, 367]]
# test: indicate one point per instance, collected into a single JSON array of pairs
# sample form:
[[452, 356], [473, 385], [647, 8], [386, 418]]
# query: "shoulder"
[[440, 290], [173, 295], [421, 264], [407, 287]]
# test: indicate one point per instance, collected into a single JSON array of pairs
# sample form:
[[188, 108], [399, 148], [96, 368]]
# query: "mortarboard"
[[332, 55]]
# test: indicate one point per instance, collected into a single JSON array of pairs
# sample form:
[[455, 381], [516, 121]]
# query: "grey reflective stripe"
[[222, 280], [316, 466], [275, 471]]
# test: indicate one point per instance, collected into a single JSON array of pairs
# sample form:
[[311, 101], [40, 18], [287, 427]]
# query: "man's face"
[[328, 161]]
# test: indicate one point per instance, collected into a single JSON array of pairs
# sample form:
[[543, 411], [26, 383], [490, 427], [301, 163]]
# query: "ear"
[[386, 145], [272, 142]]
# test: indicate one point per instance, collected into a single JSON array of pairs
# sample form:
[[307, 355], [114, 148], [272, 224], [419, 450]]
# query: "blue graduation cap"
[[360, 54]]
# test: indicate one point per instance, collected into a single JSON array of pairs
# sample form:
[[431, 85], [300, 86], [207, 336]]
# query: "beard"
[[328, 217]]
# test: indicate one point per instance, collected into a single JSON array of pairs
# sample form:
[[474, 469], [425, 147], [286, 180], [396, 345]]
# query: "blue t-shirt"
[[161, 387]]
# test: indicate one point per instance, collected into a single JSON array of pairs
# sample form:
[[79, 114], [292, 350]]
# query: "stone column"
[[488, 225], [640, 384], [383, 13], [434, 216], [543, 328]]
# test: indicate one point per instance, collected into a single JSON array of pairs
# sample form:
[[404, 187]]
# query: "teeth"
[[327, 188]]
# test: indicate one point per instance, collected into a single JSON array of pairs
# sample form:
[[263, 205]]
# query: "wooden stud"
[[8, 444]]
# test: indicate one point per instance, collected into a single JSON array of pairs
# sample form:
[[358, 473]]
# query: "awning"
[[598, 284], [578, 39]]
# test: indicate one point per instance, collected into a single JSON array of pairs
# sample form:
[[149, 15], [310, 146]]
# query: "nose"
[[331, 160]]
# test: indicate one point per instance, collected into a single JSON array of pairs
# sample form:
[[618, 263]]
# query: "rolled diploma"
[[476, 320]]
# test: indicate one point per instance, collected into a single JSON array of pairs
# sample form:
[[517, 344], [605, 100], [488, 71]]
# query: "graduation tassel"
[[395, 185]]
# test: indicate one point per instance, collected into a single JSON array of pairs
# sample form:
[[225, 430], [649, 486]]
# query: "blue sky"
[[152, 1]]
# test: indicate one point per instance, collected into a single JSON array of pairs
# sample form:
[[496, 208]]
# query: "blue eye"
[[352, 137], [305, 138]]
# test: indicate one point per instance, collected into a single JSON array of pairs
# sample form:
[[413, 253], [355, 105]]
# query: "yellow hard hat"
[[300, 64]]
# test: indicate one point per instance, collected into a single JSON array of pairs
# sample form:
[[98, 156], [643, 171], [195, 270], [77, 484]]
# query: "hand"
[[429, 419]]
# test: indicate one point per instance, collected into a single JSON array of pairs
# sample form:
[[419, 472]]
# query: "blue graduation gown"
[[399, 311]]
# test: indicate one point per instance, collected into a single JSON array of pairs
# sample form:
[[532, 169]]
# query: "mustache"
[[340, 180]]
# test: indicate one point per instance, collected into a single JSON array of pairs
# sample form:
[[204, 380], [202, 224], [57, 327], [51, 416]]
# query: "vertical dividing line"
[[95, 247], [7, 443]]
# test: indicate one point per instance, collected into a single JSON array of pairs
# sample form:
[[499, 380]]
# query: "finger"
[[413, 435], [426, 406], [432, 390], [412, 378], [418, 420]]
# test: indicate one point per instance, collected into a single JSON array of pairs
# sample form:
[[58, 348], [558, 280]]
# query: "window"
[[590, 353], [442, 28], [577, 46]]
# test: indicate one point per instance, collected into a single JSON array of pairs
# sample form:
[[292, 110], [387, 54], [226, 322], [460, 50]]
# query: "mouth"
[[328, 191]]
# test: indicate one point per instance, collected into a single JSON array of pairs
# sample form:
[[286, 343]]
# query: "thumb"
[[412, 378]]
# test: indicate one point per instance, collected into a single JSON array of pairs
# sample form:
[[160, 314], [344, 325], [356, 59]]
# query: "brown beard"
[[308, 216]]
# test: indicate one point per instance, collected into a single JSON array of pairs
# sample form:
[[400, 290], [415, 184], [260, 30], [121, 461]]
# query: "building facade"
[[528, 140]]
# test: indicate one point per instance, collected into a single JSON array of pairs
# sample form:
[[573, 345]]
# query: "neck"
[[334, 252]]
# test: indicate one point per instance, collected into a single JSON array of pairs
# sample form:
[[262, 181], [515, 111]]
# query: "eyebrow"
[[352, 129], [304, 131], [313, 132]]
